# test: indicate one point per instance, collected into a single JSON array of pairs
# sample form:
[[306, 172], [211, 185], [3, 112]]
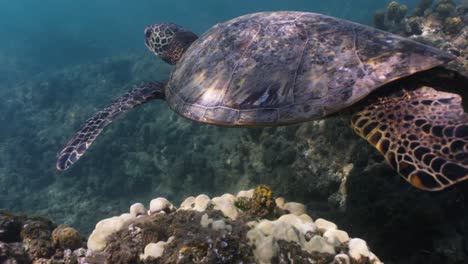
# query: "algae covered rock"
[[415, 25], [453, 24], [13, 253], [423, 5], [66, 237], [10, 227], [34, 239], [262, 202], [444, 8], [379, 19], [396, 12], [249, 227], [390, 17]]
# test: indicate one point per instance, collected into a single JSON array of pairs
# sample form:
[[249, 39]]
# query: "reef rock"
[[442, 24], [247, 228], [250, 227], [32, 239]]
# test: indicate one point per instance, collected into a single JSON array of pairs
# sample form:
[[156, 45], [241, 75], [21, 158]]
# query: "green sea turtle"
[[280, 68]]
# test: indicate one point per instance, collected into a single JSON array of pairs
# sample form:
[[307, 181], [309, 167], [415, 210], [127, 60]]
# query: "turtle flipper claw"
[[77, 146], [422, 134]]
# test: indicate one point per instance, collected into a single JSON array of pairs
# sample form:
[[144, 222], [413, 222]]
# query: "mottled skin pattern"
[[78, 145], [280, 68], [288, 67], [423, 134], [158, 38]]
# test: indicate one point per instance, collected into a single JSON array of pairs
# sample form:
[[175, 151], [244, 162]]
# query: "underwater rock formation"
[[442, 24], [396, 12], [252, 226], [391, 17], [32, 239]]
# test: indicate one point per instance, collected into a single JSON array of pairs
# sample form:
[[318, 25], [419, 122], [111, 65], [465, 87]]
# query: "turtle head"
[[168, 41]]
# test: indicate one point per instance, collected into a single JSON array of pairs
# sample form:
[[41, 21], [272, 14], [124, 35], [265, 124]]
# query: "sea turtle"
[[280, 68]]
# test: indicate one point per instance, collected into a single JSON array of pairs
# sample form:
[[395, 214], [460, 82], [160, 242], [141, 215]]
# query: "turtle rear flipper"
[[77, 146], [422, 134]]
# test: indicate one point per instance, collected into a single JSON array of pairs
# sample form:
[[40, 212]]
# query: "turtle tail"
[[77, 146], [423, 134]]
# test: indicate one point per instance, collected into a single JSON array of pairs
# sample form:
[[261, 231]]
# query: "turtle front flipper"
[[423, 134], [83, 139]]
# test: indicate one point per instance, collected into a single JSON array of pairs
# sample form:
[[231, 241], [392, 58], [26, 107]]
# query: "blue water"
[[62, 60], [56, 33]]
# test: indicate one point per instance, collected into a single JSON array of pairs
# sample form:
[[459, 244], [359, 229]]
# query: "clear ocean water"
[[57, 33], [62, 60]]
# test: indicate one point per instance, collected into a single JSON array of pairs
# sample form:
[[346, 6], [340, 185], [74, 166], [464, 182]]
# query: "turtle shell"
[[279, 68]]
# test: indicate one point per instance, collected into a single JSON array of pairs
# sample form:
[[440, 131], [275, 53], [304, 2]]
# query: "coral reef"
[[197, 232], [452, 25], [32, 239], [423, 5], [442, 24], [444, 8], [262, 203], [379, 19], [217, 230], [392, 16], [396, 12], [66, 237]]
